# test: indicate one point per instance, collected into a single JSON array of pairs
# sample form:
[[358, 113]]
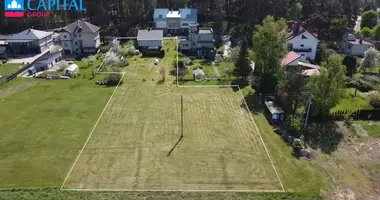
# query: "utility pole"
[[309, 102], [181, 116]]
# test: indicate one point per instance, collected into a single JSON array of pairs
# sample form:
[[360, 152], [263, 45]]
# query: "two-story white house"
[[174, 22], [302, 41], [30, 41], [79, 37], [199, 41], [149, 39]]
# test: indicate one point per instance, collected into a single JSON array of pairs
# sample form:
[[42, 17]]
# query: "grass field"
[[43, 126], [56, 194], [9, 68], [221, 149]]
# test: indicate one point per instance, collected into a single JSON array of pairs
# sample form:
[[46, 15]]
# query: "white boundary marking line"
[[150, 190], [250, 114], [96, 124]]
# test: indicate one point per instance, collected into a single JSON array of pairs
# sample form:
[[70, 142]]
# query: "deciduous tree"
[[269, 48], [328, 87], [370, 58], [369, 19]]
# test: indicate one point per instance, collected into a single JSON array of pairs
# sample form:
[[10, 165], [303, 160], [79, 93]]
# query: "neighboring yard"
[[43, 126], [350, 102]]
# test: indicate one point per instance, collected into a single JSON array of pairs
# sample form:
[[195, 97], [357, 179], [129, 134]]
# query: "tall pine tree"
[[242, 67]]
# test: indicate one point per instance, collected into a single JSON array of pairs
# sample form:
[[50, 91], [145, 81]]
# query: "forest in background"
[[235, 17]]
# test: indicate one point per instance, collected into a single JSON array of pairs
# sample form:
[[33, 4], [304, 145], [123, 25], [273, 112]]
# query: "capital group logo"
[[39, 8], [14, 8]]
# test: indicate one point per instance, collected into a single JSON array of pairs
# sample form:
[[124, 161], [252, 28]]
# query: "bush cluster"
[[374, 99]]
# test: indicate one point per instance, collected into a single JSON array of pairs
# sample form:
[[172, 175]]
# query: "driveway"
[[227, 46], [358, 23]]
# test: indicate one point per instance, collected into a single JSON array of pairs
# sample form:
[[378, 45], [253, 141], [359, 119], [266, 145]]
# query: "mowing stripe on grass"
[[88, 138], [245, 102]]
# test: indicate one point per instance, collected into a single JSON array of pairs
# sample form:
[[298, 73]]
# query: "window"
[[303, 55], [304, 37], [185, 24], [160, 16], [77, 49], [302, 45], [80, 35], [290, 46], [76, 43], [64, 36], [65, 44], [75, 35]]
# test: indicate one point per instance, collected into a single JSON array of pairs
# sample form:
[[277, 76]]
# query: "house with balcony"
[[174, 22], [30, 41], [302, 41], [199, 42], [79, 37]]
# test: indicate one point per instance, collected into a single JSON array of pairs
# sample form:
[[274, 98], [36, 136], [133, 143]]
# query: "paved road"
[[358, 23], [227, 46]]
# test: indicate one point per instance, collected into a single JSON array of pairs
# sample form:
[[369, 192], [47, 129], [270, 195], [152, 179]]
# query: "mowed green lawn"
[[9, 68], [43, 125]]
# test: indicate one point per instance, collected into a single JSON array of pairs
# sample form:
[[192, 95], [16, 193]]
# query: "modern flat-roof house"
[[79, 37], [302, 41], [351, 45], [30, 41], [149, 39], [200, 41], [174, 22]]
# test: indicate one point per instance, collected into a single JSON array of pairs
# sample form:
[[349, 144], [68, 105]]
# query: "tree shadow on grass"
[[254, 103], [238, 82], [324, 136]]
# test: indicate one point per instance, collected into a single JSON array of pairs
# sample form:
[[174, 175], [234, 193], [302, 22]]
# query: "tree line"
[[237, 17]]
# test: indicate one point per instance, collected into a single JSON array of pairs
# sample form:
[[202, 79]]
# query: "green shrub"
[[298, 145], [104, 49], [374, 99]]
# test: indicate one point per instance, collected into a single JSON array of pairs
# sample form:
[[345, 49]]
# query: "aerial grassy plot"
[[43, 126], [129, 148], [9, 68], [137, 143]]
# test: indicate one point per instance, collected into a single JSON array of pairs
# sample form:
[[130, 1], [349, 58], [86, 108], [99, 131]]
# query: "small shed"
[[273, 112], [32, 70], [198, 74], [71, 70]]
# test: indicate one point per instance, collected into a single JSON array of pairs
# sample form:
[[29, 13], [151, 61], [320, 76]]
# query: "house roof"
[[150, 35], [363, 42], [298, 28], [189, 13], [205, 31], [160, 11], [289, 58], [47, 56], [308, 65], [173, 14], [28, 35], [311, 72], [273, 108], [302, 32], [81, 27]]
